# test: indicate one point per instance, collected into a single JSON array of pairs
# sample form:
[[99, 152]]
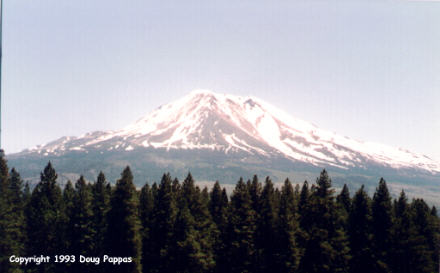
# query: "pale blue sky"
[[366, 70]]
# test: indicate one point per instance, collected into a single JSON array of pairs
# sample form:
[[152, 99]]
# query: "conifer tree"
[[304, 216], [205, 197], [288, 254], [242, 230], [123, 232], [146, 205], [406, 242], [17, 203], [5, 213], [186, 248], [218, 207], [26, 193], [12, 221], [327, 247], [255, 190], [303, 207], [101, 192], [69, 196], [360, 234], [176, 188], [423, 254], [382, 227], [162, 227], [82, 225], [266, 242], [435, 225], [46, 220], [343, 198], [195, 230]]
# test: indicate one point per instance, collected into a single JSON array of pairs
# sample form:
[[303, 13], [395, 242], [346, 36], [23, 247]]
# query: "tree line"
[[175, 226]]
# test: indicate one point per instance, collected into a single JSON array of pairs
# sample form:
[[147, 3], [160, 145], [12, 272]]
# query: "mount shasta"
[[222, 137]]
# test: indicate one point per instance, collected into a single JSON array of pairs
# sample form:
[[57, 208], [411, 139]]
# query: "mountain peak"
[[204, 92], [227, 123]]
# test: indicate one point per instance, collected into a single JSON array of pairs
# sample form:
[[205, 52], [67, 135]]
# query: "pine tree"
[[46, 220], [304, 216], [288, 254], [186, 247], [162, 227], [360, 234], [242, 230], [194, 230], [101, 192], [382, 227], [218, 207], [6, 241], [267, 228], [82, 225], [327, 247], [12, 221], [304, 207], [435, 225], [255, 190], [176, 188], [423, 254], [17, 203], [26, 194], [146, 206], [123, 232], [69, 196], [343, 199]]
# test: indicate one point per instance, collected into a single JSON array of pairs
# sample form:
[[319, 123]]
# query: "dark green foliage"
[[242, 230], [26, 194], [413, 237], [17, 218], [101, 192], [5, 212], [288, 252], [123, 232], [45, 219], [162, 228], [179, 228], [12, 220], [82, 225], [255, 190], [382, 227], [303, 207], [425, 239], [195, 230], [360, 233], [218, 207], [146, 205], [187, 246], [343, 199], [69, 196], [326, 249], [267, 228]]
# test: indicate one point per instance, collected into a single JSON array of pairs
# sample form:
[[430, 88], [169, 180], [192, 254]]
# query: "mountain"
[[220, 136]]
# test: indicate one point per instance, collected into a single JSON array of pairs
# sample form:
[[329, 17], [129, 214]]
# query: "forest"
[[174, 226]]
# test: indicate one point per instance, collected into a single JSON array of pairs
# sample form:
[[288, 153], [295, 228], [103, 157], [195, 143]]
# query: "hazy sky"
[[366, 70]]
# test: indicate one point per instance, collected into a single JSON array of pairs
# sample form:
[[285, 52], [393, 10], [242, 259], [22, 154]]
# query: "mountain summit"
[[223, 137], [204, 120]]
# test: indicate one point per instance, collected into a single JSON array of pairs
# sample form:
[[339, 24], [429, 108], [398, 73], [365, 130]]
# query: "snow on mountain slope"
[[226, 123]]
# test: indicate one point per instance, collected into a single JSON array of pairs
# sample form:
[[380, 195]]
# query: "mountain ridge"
[[227, 123]]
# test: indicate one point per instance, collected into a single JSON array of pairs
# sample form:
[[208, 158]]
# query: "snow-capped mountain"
[[208, 121]]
